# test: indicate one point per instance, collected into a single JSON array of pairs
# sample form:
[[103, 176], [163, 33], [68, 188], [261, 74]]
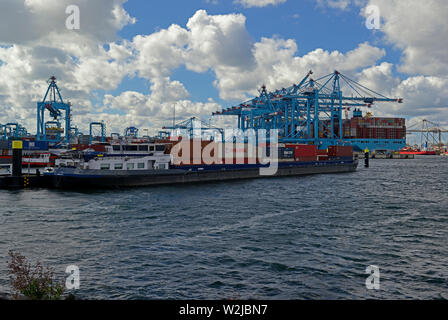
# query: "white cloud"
[[259, 3], [426, 96], [160, 52], [419, 29], [336, 4], [150, 112], [43, 21], [379, 78], [423, 96], [35, 44], [25, 69], [277, 65], [218, 40], [221, 43]]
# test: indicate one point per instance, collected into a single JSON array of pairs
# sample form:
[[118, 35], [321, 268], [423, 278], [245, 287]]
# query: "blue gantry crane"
[[97, 130], [194, 127], [12, 131], [131, 132], [308, 112], [52, 102]]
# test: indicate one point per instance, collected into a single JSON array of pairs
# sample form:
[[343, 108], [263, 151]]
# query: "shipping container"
[[35, 145], [98, 147], [340, 151], [376, 128], [303, 150], [79, 146], [322, 152]]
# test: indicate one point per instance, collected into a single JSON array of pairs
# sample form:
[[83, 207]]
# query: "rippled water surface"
[[279, 238]]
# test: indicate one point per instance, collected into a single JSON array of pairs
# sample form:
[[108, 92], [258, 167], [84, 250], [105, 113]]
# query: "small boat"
[[32, 159], [418, 152]]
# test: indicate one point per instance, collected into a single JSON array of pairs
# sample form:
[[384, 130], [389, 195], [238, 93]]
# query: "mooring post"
[[16, 178], [17, 158], [366, 158]]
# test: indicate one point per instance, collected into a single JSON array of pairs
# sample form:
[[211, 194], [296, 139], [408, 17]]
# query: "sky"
[[131, 63]]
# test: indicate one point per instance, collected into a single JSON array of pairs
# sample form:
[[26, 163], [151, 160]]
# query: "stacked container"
[[340, 152], [304, 152], [374, 128]]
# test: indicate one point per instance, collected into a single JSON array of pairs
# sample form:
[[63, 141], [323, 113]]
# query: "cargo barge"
[[72, 178], [150, 164]]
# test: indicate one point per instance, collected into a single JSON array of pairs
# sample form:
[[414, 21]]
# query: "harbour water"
[[306, 237]]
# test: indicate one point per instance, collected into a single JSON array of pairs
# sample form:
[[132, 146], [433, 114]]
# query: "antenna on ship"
[[174, 115]]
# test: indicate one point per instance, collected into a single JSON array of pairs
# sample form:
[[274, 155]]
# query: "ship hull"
[[74, 179], [425, 153]]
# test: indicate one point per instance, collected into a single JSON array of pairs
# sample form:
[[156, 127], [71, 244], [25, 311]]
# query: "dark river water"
[[280, 238]]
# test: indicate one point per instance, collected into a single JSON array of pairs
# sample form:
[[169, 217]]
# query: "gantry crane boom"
[[298, 112]]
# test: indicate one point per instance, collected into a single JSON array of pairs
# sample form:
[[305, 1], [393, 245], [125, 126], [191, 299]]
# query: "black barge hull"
[[101, 179]]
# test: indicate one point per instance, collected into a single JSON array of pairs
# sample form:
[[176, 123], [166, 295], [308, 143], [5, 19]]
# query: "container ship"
[[372, 133]]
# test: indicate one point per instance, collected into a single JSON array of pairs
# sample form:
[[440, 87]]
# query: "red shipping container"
[[303, 150], [98, 147], [79, 146], [321, 152], [340, 151]]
